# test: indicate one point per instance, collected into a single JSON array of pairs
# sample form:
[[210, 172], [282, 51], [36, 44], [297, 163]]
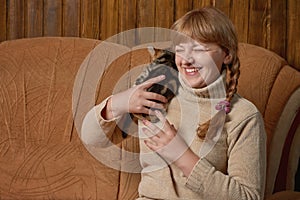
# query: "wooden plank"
[[277, 34], [145, 13], [293, 32], [164, 10], [71, 18], [15, 20], [127, 21], [224, 5], [202, 3], [53, 18], [182, 7], [164, 18], [90, 19], [127, 14], [109, 18], [239, 14], [34, 18], [3, 20], [145, 18], [258, 20]]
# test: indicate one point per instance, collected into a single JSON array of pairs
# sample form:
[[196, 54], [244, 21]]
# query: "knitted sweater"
[[234, 168]]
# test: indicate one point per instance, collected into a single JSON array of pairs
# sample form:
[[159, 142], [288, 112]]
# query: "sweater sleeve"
[[245, 177], [95, 130]]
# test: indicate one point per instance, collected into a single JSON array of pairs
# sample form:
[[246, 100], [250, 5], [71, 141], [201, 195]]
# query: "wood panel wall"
[[273, 24]]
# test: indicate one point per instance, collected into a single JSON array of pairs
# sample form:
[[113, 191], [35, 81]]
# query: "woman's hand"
[[169, 145], [135, 100], [164, 139]]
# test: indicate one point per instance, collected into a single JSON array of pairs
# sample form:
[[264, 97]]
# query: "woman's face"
[[199, 63]]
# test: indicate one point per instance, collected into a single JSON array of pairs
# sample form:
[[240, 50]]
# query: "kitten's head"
[[162, 56], [154, 52]]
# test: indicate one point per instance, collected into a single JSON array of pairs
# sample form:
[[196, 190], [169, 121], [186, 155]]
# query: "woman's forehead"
[[181, 38], [195, 43]]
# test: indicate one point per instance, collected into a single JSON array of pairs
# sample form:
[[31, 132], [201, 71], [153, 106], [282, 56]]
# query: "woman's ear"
[[228, 59]]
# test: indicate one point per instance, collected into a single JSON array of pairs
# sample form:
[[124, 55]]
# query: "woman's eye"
[[179, 50], [199, 50]]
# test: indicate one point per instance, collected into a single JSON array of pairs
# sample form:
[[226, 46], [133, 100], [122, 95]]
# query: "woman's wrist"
[[106, 112], [187, 161]]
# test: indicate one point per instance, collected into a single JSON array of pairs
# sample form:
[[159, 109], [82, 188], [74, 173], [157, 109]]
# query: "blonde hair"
[[210, 25]]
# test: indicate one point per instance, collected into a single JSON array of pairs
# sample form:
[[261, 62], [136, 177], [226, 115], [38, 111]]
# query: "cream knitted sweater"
[[233, 169]]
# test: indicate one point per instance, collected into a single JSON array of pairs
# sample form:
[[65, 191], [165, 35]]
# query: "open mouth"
[[192, 69]]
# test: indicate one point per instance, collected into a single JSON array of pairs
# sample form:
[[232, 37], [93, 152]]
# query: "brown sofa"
[[41, 154]]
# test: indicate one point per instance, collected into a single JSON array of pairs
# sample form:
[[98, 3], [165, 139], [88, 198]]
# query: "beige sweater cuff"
[[198, 175], [103, 122]]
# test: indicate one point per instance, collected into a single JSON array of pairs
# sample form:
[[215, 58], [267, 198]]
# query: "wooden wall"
[[273, 24]]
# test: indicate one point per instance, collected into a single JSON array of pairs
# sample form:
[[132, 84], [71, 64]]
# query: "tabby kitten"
[[163, 62]]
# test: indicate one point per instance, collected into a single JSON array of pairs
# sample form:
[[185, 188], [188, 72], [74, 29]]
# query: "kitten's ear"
[[151, 50]]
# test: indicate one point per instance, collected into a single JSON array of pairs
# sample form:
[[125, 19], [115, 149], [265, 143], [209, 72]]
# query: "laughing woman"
[[211, 144]]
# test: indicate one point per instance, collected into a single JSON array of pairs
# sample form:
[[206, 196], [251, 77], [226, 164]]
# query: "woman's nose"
[[188, 60]]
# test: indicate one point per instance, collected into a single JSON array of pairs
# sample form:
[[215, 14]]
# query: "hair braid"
[[232, 76]]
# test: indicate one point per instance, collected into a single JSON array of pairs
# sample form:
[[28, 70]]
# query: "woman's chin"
[[195, 82]]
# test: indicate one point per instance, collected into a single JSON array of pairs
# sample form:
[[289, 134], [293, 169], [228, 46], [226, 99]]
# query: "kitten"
[[163, 62]]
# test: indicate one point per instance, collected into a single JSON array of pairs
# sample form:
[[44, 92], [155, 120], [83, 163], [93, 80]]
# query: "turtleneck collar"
[[215, 90]]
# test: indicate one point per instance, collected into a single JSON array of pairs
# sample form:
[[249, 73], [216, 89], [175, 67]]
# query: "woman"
[[211, 143]]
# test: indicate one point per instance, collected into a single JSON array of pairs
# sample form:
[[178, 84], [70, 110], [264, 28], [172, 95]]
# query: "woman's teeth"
[[191, 70]]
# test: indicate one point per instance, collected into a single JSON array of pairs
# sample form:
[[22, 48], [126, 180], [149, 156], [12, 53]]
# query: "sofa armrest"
[[283, 102], [285, 195]]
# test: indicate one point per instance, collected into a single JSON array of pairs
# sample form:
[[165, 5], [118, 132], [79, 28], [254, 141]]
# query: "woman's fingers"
[[151, 81], [147, 107], [152, 95], [153, 140], [155, 97], [160, 116], [167, 127], [142, 101], [153, 104], [141, 104], [165, 141], [163, 131], [153, 128]]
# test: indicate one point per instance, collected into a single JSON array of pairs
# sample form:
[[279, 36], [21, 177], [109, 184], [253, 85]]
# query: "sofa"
[[45, 83]]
